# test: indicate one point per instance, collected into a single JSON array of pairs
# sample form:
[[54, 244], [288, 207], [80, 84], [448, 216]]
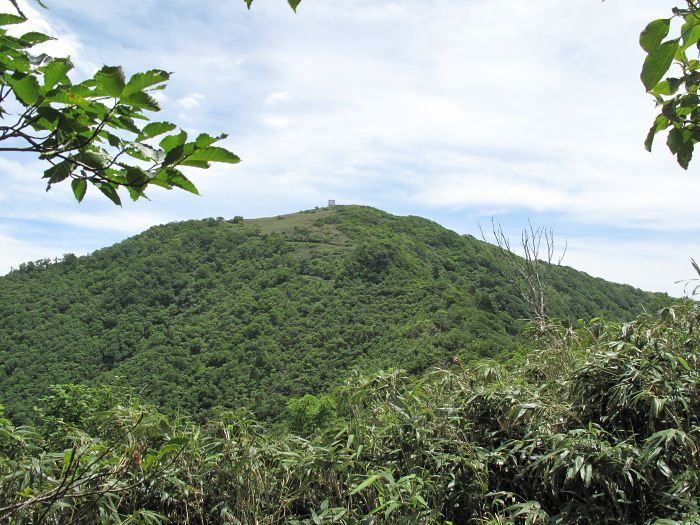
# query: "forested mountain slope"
[[213, 312]]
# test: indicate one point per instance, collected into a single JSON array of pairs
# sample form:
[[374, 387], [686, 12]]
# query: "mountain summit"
[[251, 312]]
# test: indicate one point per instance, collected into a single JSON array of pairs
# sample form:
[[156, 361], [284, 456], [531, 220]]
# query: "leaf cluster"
[[675, 89], [97, 131]]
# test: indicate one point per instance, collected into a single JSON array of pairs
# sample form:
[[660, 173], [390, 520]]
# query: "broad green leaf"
[[141, 100], [172, 141], [26, 89], [135, 176], [204, 140], [34, 37], [660, 123], [123, 123], [690, 31], [657, 63], [214, 154], [294, 4], [59, 172], [9, 19], [176, 178], [109, 192], [55, 71], [94, 159], [141, 81], [111, 79], [201, 164], [248, 2], [154, 129], [654, 33], [48, 118], [681, 145], [79, 187]]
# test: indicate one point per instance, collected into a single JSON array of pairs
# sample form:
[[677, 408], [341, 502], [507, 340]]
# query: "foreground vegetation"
[[600, 425], [252, 312]]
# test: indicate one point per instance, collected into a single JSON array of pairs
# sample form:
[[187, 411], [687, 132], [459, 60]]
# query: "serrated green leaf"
[[79, 187], [112, 80], [55, 71], [690, 32], [214, 154], [154, 129], [26, 89], [660, 123], [204, 140], [201, 164], [176, 178], [141, 100], [34, 37], [654, 33], [9, 19], [109, 192], [657, 63], [172, 141], [141, 81], [59, 172]]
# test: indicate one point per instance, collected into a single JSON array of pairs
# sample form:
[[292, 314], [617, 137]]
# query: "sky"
[[457, 111]]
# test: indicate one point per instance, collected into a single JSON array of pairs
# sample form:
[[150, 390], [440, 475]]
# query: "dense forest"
[[251, 313], [599, 424]]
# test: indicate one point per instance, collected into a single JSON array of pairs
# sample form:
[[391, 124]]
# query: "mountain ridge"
[[251, 312]]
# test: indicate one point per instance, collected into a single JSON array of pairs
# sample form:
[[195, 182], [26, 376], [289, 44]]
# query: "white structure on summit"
[[331, 202]]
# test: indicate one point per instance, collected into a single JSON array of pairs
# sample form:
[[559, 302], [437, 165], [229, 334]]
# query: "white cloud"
[[279, 97], [276, 122], [191, 101], [438, 108]]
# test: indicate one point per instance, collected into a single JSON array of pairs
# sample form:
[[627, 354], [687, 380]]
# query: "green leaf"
[[214, 154], [204, 140], [654, 33], [55, 71], [684, 363], [8, 19], [79, 187], [681, 146], [26, 89], [366, 483], [176, 178], [691, 30], [248, 2], [657, 63], [59, 172], [660, 123], [293, 4], [109, 192], [173, 141], [111, 79], [154, 129], [141, 81], [34, 37], [141, 100]]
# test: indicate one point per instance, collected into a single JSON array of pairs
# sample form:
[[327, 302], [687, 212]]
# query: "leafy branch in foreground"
[[677, 95], [96, 131]]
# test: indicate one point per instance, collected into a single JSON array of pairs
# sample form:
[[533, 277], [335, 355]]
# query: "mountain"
[[251, 312]]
